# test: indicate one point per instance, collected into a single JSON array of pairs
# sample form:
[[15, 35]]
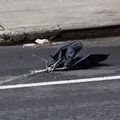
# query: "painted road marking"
[[61, 82]]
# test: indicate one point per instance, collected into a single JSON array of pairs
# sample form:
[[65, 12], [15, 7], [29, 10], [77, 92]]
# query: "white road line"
[[60, 82]]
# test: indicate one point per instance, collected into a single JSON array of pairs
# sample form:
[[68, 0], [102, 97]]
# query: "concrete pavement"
[[29, 19]]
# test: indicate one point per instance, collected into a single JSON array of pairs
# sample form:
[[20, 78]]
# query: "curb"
[[89, 32], [27, 35]]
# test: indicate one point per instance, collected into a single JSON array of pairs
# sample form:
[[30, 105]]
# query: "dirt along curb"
[[27, 35], [90, 32]]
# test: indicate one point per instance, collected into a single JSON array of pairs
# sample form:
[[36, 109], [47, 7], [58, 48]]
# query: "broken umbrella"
[[67, 57]]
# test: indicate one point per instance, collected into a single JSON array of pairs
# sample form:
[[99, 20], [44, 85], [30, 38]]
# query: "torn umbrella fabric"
[[67, 57]]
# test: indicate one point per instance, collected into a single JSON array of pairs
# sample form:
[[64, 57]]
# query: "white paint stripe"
[[61, 82]]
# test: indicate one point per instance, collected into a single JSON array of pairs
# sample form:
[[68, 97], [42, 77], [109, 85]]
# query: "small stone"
[[42, 41]]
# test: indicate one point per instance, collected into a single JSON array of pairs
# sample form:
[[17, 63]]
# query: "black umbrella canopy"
[[67, 57]]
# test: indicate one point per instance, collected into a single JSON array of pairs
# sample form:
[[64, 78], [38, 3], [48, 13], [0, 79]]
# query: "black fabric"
[[68, 57]]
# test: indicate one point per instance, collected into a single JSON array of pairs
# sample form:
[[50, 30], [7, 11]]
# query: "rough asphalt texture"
[[88, 101], [30, 19], [18, 60]]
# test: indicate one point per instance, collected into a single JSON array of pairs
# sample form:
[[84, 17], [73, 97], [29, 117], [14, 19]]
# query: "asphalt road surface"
[[87, 94]]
